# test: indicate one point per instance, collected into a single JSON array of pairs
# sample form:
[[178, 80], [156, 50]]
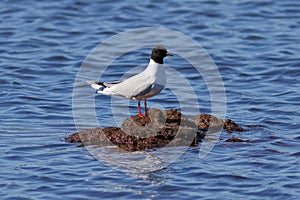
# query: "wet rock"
[[156, 122], [158, 129], [231, 126], [208, 123], [144, 127], [73, 138], [96, 136], [235, 139]]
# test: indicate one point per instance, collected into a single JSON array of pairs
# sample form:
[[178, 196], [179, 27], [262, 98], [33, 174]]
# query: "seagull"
[[142, 86]]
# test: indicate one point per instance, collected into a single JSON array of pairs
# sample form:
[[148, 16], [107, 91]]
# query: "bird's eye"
[[157, 51]]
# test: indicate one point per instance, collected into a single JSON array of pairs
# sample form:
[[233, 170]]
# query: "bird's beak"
[[169, 54]]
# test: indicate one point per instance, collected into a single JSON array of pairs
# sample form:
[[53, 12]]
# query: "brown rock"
[[208, 123], [235, 139], [158, 129], [231, 126]]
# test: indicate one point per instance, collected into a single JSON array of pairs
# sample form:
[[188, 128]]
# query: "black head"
[[158, 54]]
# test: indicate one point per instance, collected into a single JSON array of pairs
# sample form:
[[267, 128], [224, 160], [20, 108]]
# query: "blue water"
[[255, 45]]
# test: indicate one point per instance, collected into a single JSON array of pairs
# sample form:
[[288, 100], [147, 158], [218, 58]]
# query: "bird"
[[141, 86]]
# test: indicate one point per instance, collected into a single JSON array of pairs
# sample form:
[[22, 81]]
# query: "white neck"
[[153, 62]]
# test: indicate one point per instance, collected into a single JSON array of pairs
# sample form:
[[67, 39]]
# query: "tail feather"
[[96, 85]]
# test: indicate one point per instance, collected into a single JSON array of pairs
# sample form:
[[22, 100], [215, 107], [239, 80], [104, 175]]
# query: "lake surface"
[[255, 46]]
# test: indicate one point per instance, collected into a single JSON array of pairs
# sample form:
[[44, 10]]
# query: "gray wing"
[[141, 92], [133, 87]]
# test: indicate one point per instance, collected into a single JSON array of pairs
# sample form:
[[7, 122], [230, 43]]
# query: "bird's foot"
[[142, 115]]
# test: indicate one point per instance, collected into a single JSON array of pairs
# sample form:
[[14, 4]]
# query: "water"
[[255, 45]]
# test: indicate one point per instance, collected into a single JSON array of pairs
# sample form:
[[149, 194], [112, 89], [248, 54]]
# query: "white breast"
[[143, 85]]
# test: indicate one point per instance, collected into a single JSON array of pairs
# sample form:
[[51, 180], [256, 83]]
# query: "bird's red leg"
[[145, 106], [139, 110]]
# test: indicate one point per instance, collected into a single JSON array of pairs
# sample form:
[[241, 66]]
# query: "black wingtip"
[[100, 83]]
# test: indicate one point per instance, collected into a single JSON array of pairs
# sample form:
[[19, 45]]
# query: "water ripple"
[[255, 45]]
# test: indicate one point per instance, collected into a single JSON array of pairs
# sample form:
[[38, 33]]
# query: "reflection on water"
[[138, 162]]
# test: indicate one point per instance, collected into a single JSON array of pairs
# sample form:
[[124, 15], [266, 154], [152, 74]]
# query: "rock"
[[158, 129], [73, 138], [235, 139], [155, 122], [208, 123], [231, 126], [144, 127], [96, 136]]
